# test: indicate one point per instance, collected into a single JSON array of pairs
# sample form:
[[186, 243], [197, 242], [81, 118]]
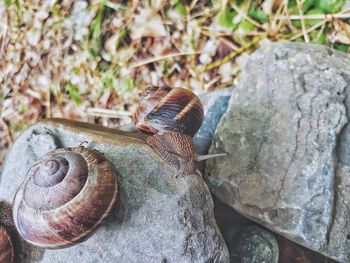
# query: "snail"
[[165, 109], [174, 115], [64, 197], [6, 226]]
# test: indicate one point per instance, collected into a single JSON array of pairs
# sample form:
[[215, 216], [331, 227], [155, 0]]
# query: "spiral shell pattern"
[[6, 248], [168, 109], [64, 197]]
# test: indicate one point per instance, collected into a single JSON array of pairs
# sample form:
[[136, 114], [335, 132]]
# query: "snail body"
[[64, 197], [6, 247], [179, 151], [176, 149], [173, 115], [165, 109]]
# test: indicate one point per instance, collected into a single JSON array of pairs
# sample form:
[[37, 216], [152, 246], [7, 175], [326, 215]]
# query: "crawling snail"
[[173, 115], [64, 197], [6, 226]]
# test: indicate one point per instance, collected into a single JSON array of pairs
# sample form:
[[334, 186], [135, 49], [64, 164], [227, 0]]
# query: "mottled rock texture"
[[158, 218], [254, 245], [287, 131], [231, 224]]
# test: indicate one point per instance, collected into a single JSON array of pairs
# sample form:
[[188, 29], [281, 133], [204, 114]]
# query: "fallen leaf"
[[341, 33]]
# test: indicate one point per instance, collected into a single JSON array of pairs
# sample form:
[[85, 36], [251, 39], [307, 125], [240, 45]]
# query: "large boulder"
[[287, 132], [158, 218]]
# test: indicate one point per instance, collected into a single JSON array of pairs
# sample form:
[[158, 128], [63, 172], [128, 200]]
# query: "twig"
[[276, 26], [110, 4], [131, 13], [221, 38], [7, 131], [316, 16], [228, 43], [321, 31], [246, 17], [214, 33], [286, 19], [99, 112], [4, 26], [205, 11], [48, 102], [308, 30], [211, 82], [303, 28], [193, 4], [48, 91], [223, 5], [156, 59], [231, 55]]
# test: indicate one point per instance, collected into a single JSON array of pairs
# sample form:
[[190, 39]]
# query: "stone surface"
[[231, 223], [287, 132], [254, 245], [215, 105], [157, 219]]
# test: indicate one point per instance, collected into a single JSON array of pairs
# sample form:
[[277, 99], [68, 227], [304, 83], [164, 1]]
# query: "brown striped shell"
[[165, 109], [64, 197], [6, 247]]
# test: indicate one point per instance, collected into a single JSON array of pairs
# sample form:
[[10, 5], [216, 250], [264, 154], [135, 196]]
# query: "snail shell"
[[64, 197], [165, 109], [6, 247]]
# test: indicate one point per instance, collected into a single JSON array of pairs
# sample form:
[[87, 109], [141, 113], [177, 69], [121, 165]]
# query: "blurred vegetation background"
[[88, 60]]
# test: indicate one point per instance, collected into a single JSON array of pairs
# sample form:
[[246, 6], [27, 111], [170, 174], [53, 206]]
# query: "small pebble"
[[254, 245]]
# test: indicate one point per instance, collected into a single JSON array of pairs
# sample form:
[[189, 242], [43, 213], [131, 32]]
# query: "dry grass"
[[88, 61]]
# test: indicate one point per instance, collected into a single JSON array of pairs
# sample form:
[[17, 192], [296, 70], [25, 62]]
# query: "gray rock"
[[254, 245], [157, 219], [287, 132], [231, 223], [215, 105]]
